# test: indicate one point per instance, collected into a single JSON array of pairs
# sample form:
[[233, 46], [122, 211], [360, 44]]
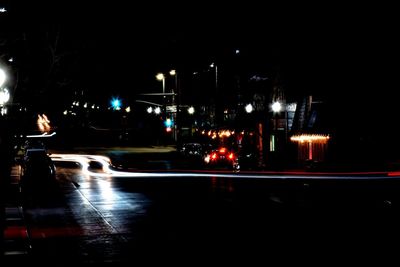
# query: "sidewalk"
[[16, 235]]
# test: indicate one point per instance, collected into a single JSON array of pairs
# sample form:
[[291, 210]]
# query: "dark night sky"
[[343, 53]]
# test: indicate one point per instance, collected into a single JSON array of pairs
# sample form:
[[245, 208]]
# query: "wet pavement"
[[184, 220]]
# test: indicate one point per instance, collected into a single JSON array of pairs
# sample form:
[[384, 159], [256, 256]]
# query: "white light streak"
[[108, 172], [41, 135]]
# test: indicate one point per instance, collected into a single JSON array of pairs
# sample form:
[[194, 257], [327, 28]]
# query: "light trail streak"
[[84, 161]]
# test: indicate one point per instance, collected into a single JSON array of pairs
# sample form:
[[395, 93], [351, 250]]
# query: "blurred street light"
[[276, 107], [157, 110], [191, 110], [249, 108], [149, 110]]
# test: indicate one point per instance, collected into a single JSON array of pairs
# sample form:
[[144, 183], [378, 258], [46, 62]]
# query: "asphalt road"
[[189, 219]]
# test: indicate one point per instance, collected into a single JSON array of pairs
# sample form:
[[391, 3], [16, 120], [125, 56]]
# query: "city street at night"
[[168, 134], [121, 217]]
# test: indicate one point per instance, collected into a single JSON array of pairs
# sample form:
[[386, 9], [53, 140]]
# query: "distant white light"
[[10, 59], [65, 112], [248, 108], [3, 10], [172, 72], [93, 106], [85, 105], [149, 110], [191, 110], [212, 65], [157, 110], [128, 109], [276, 107], [2, 77], [237, 51]]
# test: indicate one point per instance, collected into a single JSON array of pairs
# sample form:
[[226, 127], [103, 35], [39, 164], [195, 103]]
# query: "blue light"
[[168, 123], [116, 104]]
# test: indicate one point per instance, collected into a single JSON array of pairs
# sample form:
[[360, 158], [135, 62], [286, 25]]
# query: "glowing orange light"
[[310, 138], [231, 156], [43, 123]]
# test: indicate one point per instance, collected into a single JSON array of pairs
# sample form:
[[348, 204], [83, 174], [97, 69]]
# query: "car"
[[38, 170], [191, 155], [221, 157], [192, 150]]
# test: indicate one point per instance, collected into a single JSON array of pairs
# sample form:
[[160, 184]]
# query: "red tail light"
[[222, 150], [213, 156], [231, 156]]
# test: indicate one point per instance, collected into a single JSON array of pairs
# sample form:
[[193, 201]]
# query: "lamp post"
[[161, 77], [176, 101], [279, 141], [276, 108], [213, 65], [218, 112]]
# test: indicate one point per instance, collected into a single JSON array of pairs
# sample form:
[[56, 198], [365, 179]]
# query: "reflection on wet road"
[[98, 215]]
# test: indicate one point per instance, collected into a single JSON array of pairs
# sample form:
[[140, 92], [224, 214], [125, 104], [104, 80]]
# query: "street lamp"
[[191, 110], [276, 107], [249, 108], [157, 110], [213, 65], [177, 103]]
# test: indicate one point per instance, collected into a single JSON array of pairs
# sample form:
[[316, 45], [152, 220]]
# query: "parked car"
[[192, 150], [38, 170]]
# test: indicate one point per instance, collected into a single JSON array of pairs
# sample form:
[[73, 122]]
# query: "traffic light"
[[116, 104], [168, 123]]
